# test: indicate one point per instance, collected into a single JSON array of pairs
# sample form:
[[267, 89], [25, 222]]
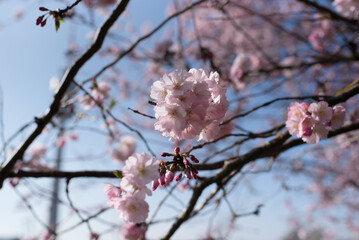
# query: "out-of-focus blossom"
[[125, 147], [348, 8]]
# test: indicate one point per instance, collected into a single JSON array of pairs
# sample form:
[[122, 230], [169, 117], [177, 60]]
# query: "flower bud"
[[187, 173], [155, 185], [43, 9], [39, 20], [43, 23], [164, 154], [162, 180], [169, 176], [185, 161], [178, 177], [193, 158], [177, 150]]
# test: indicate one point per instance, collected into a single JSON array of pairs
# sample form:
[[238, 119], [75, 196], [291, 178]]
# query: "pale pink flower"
[[113, 194], [132, 209], [321, 112], [188, 102], [312, 131], [131, 185], [141, 169], [338, 117], [158, 91], [296, 112]]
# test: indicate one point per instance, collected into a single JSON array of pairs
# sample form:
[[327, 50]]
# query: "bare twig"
[[65, 83]]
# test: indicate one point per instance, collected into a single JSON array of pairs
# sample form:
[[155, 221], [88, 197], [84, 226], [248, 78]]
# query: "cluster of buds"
[[179, 163], [40, 20], [58, 16]]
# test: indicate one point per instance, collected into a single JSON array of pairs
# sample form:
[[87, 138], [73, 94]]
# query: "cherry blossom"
[[99, 92], [312, 122], [141, 169], [188, 104], [131, 208]]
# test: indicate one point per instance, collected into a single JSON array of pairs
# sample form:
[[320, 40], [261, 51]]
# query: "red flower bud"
[[39, 20], [43, 9], [43, 23], [155, 185], [177, 150], [193, 158], [164, 154], [178, 177]]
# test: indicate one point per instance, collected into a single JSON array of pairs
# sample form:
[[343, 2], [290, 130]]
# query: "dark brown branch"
[[61, 174], [66, 81], [134, 45], [271, 148]]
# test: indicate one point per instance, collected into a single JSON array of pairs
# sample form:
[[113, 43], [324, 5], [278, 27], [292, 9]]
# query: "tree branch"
[[65, 83]]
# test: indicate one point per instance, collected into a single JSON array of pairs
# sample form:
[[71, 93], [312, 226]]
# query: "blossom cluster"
[[129, 198], [189, 105], [311, 122], [99, 91], [349, 8], [179, 163]]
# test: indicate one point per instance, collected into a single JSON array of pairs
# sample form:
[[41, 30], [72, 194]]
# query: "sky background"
[[29, 57]]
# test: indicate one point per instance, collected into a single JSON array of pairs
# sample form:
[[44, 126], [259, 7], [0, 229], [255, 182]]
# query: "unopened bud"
[[188, 174], [185, 161], [164, 154], [162, 180], [169, 176], [43, 9], [43, 23], [39, 20], [178, 177], [193, 158], [177, 150], [155, 185]]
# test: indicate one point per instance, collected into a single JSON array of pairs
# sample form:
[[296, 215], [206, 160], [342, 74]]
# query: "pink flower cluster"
[[349, 8], [179, 163], [311, 122], [189, 105], [99, 91], [129, 198]]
